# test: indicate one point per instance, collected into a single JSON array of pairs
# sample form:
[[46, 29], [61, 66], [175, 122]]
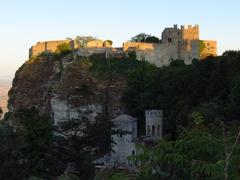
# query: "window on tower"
[[158, 130], [153, 130], [148, 130]]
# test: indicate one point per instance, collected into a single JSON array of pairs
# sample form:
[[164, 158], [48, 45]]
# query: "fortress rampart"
[[209, 49], [51, 46], [176, 43], [46, 46]]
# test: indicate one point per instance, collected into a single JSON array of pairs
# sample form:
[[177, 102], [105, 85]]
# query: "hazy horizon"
[[26, 22]]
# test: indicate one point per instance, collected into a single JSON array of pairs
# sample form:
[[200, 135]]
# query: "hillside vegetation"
[[200, 103]]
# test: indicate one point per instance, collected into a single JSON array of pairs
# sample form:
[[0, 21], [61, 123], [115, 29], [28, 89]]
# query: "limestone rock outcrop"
[[65, 88]]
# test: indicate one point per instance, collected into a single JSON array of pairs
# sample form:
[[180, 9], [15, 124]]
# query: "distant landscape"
[[4, 88]]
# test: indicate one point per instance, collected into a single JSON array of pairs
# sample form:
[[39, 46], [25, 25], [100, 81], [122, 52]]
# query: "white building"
[[123, 146], [124, 138]]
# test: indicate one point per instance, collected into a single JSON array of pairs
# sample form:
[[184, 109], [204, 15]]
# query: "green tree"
[[36, 136], [235, 97], [198, 153], [142, 37], [11, 167], [64, 49], [83, 40], [110, 42]]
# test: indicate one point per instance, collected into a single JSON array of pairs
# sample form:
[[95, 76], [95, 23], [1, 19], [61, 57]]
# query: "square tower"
[[154, 123], [171, 35], [190, 32]]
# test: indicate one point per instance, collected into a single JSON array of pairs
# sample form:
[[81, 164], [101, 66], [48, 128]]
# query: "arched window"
[[153, 130], [158, 130], [148, 130]]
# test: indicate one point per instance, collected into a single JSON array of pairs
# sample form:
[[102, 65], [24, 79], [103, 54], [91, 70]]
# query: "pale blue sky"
[[24, 22]]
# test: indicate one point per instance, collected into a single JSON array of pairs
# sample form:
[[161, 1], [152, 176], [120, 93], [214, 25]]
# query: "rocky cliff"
[[66, 87]]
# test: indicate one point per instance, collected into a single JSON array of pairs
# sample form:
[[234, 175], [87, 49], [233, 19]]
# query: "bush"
[[64, 49]]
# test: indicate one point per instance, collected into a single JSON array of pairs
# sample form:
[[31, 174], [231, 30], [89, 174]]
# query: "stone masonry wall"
[[209, 49], [155, 53], [45, 46], [177, 43]]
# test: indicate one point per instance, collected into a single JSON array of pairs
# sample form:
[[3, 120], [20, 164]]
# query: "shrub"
[[64, 49]]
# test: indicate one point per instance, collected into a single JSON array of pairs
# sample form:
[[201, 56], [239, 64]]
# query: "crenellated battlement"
[[183, 27], [153, 113], [176, 43]]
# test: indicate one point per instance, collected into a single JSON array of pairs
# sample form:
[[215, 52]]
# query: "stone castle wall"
[[176, 43], [210, 49], [95, 44], [156, 53], [45, 46], [189, 50], [137, 46], [51, 46]]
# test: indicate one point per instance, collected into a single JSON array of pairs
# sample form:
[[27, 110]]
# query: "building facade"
[[176, 43], [50, 46], [154, 123], [125, 139]]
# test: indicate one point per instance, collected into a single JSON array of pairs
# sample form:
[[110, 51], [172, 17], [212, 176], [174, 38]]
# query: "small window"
[[153, 130], [148, 130], [133, 152]]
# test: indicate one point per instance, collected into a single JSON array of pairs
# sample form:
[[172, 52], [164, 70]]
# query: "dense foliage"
[[142, 37], [32, 150], [197, 153], [201, 105], [201, 118], [210, 86]]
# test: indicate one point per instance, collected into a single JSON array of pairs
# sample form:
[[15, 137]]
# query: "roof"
[[124, 118]]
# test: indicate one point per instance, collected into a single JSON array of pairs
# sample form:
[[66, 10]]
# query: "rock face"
[[65, 88]]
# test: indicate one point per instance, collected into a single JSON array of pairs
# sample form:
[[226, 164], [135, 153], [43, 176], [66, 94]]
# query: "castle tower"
[[171, 35], [154, 123], [123, 146], [190, 32], [189, 46]]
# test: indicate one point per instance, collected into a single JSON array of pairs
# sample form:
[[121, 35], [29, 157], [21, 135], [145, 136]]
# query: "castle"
[[51, 46], [176, 43], [125, 138]]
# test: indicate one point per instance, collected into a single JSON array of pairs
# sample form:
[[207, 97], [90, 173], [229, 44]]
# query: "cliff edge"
[[69, 87]]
